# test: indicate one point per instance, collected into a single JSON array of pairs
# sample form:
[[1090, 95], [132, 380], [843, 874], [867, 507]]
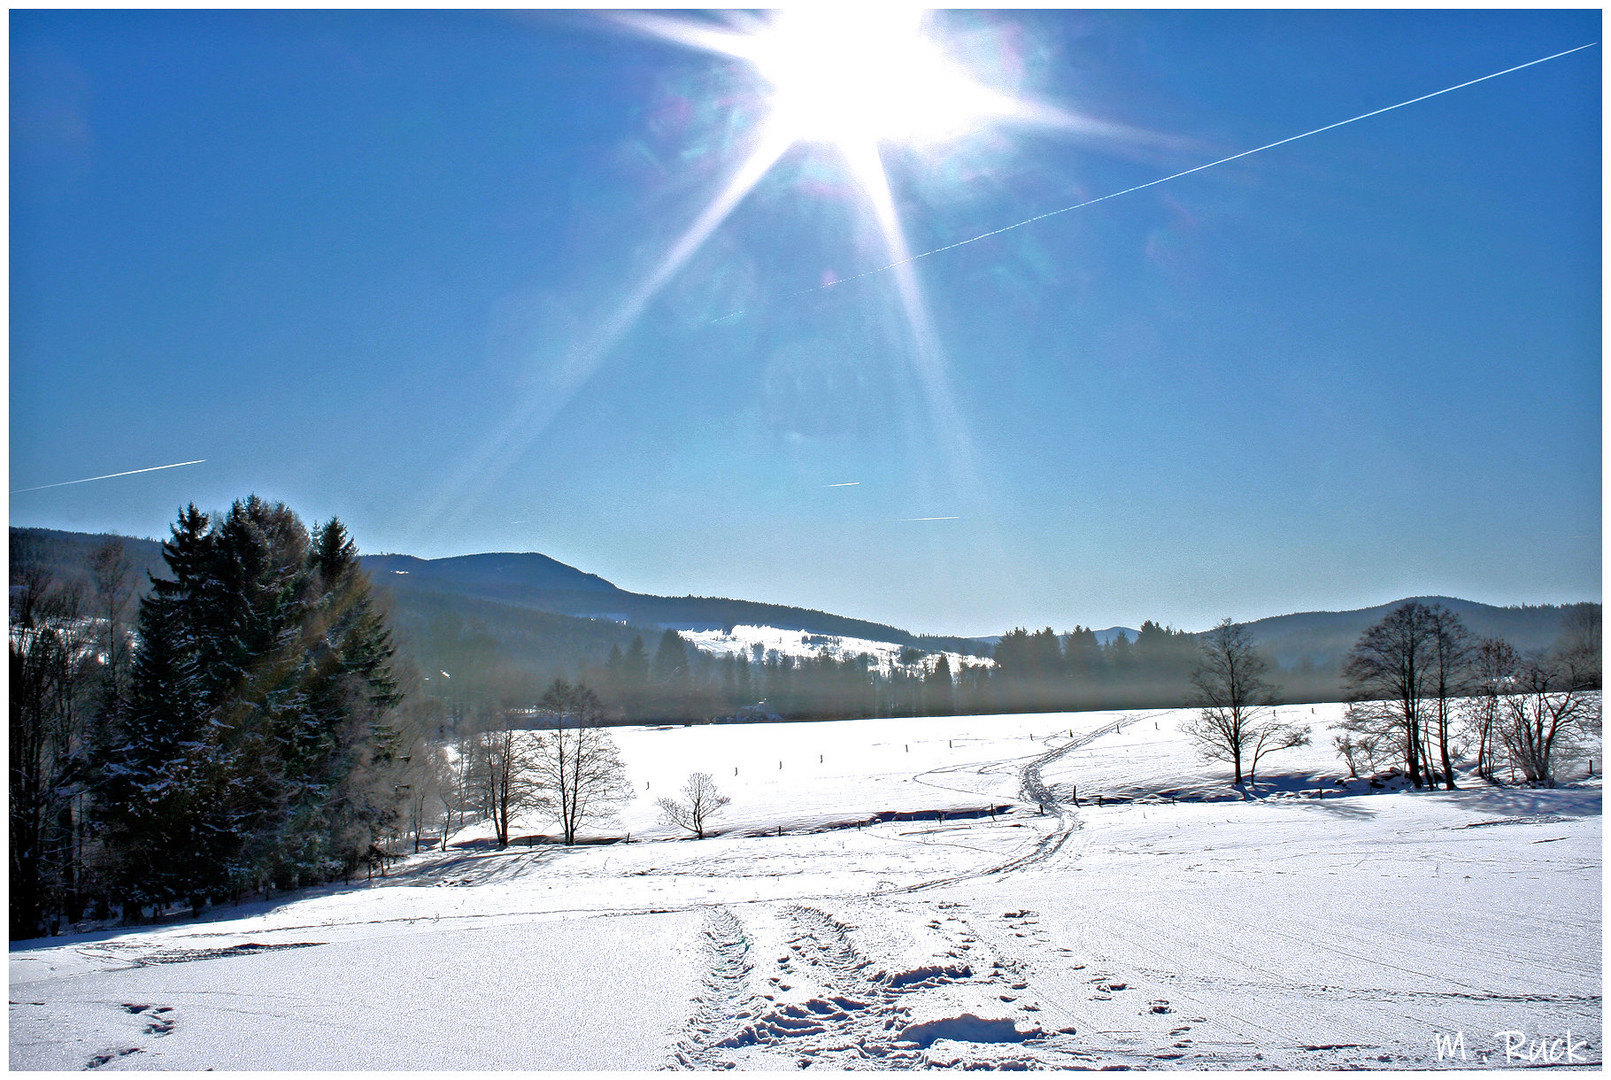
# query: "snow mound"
[[967, 1028], [928, 975]]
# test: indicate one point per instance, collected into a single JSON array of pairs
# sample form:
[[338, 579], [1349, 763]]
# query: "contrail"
[[951, 518], [109, 476], [1176, 176], [852, 483]]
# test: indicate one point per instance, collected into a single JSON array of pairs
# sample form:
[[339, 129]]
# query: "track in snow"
[[1034, 789], [801, 990]]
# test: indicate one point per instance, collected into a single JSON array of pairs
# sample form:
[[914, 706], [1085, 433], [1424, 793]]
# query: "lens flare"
[[870, 76]]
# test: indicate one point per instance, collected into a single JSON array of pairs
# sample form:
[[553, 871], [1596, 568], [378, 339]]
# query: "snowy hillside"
[[899, 894], [742, 641]]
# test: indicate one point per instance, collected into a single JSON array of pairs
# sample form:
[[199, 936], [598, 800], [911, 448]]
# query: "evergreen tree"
[[938, 691], [147, 780], [670, 676], [255, 747], [670, 666]]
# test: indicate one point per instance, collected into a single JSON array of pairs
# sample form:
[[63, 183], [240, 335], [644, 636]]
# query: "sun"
[[855, 78], [866, 84]]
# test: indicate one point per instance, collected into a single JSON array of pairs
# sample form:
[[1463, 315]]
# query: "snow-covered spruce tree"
[[344, 747], [148, 766], [255, 740]]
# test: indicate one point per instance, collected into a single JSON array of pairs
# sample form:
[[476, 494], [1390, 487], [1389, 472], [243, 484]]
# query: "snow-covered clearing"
[[742, 639], [1287, 930]]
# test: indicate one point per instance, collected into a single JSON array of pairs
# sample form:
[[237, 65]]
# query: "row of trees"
[[1033, 671], [681, 682], [1423, 697], [570, 771], [508, 763], [237, 736], [1425, 694]]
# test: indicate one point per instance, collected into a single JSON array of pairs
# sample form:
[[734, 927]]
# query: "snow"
[[1319, 924], [742, 639]]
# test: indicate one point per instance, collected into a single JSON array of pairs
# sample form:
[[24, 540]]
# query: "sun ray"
[[928, 354], [528, 421], [847, 79], [703, 36]]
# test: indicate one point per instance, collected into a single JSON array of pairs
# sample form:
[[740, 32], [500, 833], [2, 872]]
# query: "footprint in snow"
[[109, 1055]]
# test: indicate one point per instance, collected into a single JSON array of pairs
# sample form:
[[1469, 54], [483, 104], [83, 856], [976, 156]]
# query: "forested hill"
[[66, 555], [1321, 639], [529, 613], [499, 613], [535, 581]]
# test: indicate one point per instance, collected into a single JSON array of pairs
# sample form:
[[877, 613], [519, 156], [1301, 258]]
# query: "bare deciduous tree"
[[699, 803], [1386, 675], [425, 776], [1235, 723], [1448, 674], [1404, 674], [506, 766], [1359, 750], [1493, 672], [51, 646], [112, 579], [1546, 713], [576, 764]]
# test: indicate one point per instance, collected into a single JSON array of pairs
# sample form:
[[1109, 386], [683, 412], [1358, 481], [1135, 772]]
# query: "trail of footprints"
[[159, 1021], [800, 986], [799, 989]]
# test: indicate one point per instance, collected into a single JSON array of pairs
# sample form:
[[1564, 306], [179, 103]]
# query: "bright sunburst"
[[859, 82], [856, 78]]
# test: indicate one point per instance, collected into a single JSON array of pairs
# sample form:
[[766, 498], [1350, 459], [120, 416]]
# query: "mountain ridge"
[[583, 614]]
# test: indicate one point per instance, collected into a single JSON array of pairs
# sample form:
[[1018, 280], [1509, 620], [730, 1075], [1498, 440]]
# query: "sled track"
[[1033, 789]]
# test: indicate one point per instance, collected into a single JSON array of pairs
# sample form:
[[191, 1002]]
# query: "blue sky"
[[361, 262]]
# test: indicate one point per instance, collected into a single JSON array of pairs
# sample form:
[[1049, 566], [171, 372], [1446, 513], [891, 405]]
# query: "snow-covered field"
[[800, 644], [1319, 925]]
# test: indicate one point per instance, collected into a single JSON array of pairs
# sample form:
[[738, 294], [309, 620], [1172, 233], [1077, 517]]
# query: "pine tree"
[[255, 747], [147, 781], [670, 676]]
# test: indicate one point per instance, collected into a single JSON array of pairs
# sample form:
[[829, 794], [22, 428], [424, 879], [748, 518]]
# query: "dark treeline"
[[231, 730], [1033, 672]]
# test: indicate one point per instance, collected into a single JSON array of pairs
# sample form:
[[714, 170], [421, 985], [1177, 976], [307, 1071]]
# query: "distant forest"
[[469, 647]]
